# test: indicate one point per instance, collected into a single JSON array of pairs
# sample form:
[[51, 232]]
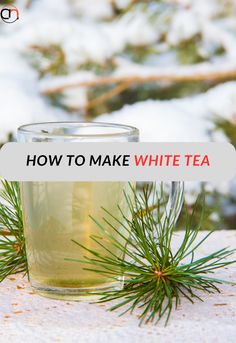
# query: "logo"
[[9, 14]]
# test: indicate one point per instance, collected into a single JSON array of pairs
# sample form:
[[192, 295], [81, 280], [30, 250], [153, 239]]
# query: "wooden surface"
[[26, 317]]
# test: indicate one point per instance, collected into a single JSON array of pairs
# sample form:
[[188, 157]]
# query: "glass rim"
[[123, 130]]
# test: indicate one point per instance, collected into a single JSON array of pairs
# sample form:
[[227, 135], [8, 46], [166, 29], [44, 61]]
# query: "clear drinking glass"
[[55, 213]]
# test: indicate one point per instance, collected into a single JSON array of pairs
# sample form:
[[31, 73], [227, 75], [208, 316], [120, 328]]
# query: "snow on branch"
[[138, 74], [130, 73]]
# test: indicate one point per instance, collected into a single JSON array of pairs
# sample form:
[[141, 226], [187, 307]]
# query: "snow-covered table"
[[26, 317]]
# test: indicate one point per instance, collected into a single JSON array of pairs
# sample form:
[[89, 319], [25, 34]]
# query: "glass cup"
[[55, 213]]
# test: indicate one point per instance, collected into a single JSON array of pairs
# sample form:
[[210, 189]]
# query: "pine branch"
[[198, 72], [157, 277], [133, 73], [12, 243]]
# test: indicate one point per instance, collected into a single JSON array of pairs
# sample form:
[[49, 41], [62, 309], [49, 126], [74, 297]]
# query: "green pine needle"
[[156, 275], [12, 243]]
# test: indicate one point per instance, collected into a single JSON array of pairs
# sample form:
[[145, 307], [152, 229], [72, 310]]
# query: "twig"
[[182, 74], [107, 95]]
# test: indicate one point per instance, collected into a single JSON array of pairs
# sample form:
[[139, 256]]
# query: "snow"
[[185, 25], [88, 40], [188, 119], [221, 100], [19, 96], [49, 9], [92, 41], [79, 51], [206, 9], [223, 37], [47, 84], [79, 28], [99, 9], [138, 30], [122, 4], [75, 98], [130, 69], [157, 121]]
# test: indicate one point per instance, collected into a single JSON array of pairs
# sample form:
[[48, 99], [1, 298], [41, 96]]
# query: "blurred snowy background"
[[166, 67]]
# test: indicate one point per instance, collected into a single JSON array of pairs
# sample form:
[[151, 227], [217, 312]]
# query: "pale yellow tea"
[[54, 214]]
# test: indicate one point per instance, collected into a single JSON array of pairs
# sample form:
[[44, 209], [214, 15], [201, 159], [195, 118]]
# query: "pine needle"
[[12, 243], [157, 276]]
